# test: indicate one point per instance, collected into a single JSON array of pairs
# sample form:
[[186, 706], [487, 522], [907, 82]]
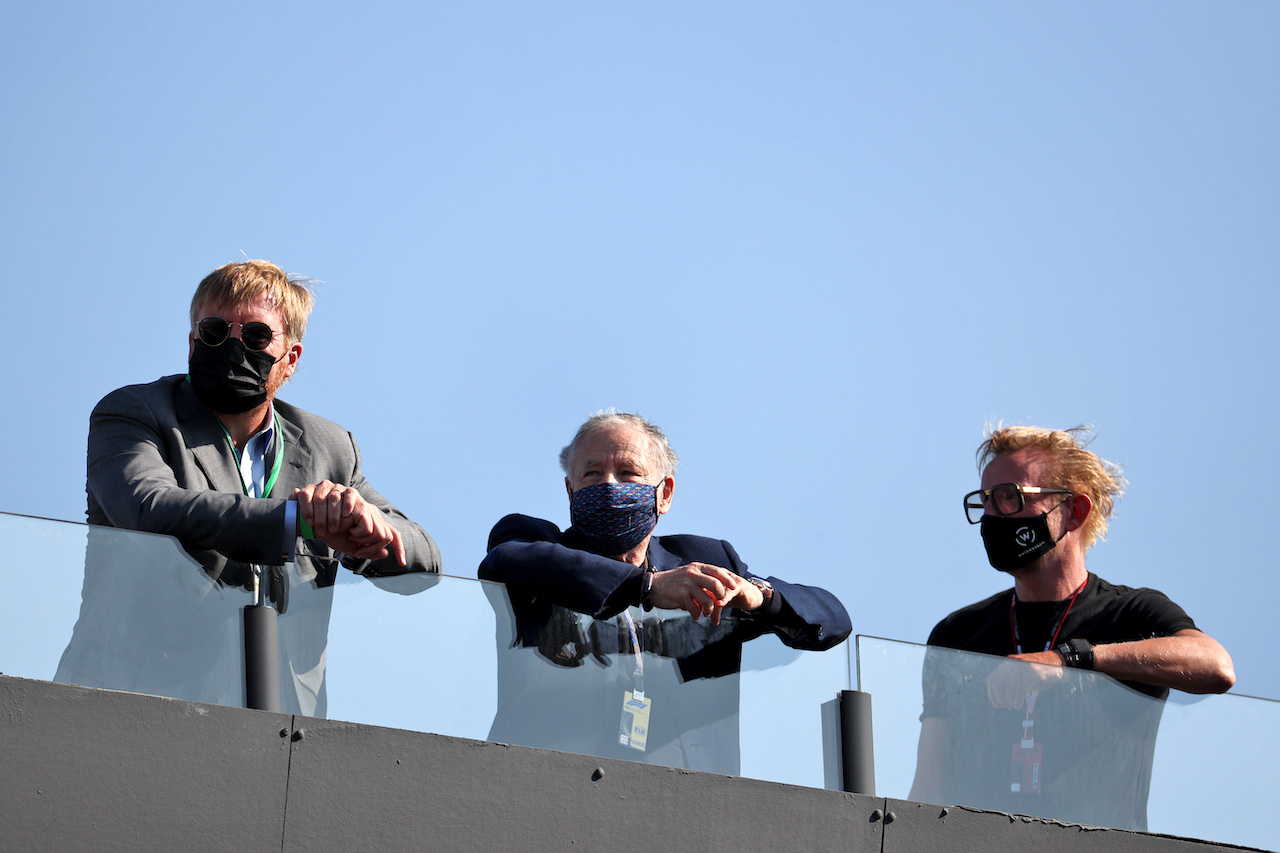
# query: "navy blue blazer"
[[542, 567], [565, 649]]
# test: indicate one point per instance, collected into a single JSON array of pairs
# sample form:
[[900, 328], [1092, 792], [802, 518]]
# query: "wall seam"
[[288, 776]]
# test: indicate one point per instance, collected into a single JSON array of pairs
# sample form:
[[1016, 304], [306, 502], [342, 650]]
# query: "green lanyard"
[[275, 466]]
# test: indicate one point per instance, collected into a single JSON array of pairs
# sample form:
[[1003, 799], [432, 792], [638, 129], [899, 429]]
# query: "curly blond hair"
[[1082, 471]]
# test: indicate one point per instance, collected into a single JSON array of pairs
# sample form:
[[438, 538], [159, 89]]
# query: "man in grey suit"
[[263, 495]]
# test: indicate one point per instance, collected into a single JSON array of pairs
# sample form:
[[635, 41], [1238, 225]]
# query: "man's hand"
[[346, 522], [1012, 680], [703, 590]]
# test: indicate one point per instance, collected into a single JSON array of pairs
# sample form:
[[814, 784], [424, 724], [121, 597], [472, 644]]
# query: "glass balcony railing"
[[454, 664], [1090, 749], [133, 611]]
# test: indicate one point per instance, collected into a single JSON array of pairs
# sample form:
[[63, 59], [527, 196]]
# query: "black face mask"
[[228, 378], [1013, 543]]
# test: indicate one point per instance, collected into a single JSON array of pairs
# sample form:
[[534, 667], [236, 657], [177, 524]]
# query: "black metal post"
[[857, 752], [261, 658]]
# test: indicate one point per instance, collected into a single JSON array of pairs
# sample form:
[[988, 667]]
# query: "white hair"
[[659, 448]]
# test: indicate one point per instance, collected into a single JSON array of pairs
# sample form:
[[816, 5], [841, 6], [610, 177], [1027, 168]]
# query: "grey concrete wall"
[[85, 769]]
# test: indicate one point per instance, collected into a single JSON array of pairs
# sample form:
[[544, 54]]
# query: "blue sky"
[[820, 243]]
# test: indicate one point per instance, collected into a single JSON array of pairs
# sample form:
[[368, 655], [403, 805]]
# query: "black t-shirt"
[[1103, 613], [1092, 741]]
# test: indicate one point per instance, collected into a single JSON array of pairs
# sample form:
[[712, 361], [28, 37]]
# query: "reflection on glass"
[[1079, 748], [583, 668], [151, 620], [1109, 756], [134, 611], [433, 665], [660, 687]]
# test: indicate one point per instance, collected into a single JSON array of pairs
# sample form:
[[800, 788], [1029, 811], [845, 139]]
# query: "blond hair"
[[233, 285], [1073, 467]]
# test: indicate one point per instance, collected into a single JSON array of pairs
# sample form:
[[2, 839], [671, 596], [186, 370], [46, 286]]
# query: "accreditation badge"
[[633, 731], [1027, 769]]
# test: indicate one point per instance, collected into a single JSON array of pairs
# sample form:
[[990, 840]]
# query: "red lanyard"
[[1013, 619]]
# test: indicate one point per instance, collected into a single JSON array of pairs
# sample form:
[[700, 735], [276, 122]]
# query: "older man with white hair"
[[572, 596]]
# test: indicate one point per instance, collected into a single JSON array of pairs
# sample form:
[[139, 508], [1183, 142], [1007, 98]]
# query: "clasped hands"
[[346, 522], [704, 590]]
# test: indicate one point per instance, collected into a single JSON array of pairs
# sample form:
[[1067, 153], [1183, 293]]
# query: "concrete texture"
[[84, 769]]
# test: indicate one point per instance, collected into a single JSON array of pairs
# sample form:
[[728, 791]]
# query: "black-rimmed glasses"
[[1007, 498], [214, 331]]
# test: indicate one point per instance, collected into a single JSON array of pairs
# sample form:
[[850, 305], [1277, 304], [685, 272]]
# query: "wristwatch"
[[765, 587], [1077, 654]]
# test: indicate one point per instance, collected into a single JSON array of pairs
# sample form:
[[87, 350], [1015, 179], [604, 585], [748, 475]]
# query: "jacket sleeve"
[[528, 554], [803, 617], [143, 474], [132, 483]]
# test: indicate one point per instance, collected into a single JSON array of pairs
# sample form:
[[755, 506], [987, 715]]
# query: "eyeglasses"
[[214, 331], [1007, 498]]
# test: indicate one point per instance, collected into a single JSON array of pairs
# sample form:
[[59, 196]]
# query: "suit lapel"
[[294, 473], [297, 471], [206, 441], [660, 558]]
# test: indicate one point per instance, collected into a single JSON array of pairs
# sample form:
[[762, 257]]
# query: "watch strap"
[[1077, 654], [646, 588]]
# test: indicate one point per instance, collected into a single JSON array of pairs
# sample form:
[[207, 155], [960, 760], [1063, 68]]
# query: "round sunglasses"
[[214, 331]]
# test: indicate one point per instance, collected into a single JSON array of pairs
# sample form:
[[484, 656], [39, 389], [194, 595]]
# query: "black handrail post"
[[261, 658], [857, 751]]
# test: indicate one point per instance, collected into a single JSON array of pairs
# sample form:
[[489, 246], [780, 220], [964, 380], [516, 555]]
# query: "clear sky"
[[821, 244]]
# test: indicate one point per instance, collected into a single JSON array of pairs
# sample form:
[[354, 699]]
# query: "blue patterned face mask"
[[614, 517]]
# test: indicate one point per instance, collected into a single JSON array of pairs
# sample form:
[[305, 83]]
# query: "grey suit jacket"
[[150, 620], [160, 462]]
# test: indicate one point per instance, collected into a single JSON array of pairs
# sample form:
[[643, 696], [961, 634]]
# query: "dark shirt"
[[1094, 737]]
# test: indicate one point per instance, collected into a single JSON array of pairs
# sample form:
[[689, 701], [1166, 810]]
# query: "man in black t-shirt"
[[1051, 736]]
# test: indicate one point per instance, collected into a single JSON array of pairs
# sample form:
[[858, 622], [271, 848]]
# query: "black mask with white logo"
[[229, 379], [1013, 543]]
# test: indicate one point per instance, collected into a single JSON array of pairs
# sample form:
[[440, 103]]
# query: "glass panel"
[[789, 720], [42, 571], [464, 665], [423, 663], [118, 609], [1217, 749], [563, 679], [890, 672], [1099, 752], [133, 611]]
